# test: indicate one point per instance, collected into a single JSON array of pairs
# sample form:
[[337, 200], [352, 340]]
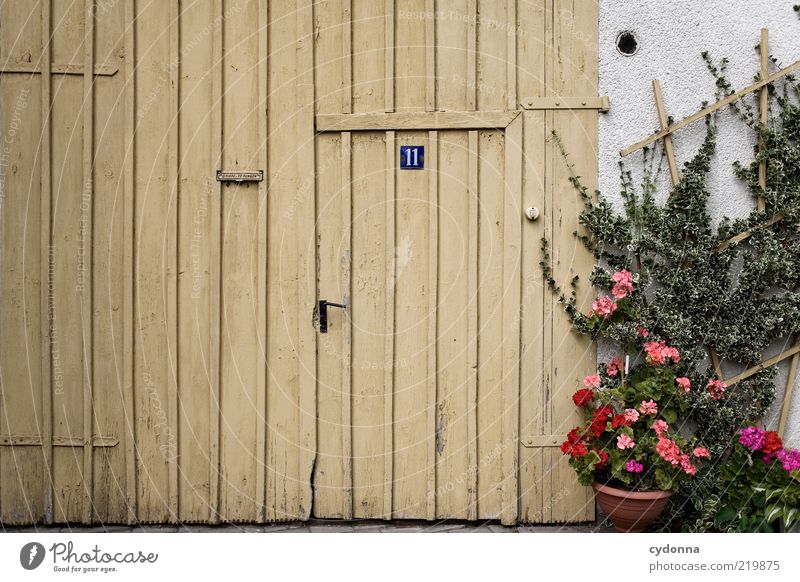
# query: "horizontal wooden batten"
[[543, 440], [56, 68], [545, 103], [423, 120], [36, 441]]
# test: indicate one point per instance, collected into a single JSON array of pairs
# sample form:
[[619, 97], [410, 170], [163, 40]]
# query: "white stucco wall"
[[672, 34]]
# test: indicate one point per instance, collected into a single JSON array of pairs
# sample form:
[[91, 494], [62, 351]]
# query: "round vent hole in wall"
[[627, 43]]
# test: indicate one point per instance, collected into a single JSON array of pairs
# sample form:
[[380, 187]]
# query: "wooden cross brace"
[[38, 441]]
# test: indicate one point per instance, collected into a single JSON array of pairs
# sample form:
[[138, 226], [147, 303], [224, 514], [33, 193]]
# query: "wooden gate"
[[162, 358]]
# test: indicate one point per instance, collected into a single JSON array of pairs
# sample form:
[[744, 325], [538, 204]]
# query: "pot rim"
[[616, 492]]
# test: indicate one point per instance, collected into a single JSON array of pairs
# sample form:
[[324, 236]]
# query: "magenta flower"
[[790, 459], [634, 466], [752, 437]]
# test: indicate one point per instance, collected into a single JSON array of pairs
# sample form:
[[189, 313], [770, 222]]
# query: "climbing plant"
[[702, 293]]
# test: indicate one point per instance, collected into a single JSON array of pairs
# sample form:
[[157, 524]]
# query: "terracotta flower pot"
[[630, 511]]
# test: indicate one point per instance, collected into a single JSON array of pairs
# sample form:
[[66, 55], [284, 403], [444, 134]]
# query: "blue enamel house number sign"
[[412, 157]]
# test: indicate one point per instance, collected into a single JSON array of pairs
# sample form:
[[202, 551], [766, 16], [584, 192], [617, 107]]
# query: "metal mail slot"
[[240, 176]]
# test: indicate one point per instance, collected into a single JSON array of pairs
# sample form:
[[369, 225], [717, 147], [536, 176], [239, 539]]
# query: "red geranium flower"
[[619, 420], [583, 397], [603, 459], [772, 442], [574, 436], [579, 450]]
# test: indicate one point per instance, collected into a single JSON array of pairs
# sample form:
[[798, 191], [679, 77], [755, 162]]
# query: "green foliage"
[[699, 294]]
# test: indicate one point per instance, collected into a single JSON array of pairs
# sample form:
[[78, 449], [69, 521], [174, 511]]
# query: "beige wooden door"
[[417, 418], [160, 359]]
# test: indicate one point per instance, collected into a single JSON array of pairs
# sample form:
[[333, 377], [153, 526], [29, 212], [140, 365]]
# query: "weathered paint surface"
[[160, 358]]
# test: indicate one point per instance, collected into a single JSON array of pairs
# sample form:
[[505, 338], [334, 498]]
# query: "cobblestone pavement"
[[328, 526]]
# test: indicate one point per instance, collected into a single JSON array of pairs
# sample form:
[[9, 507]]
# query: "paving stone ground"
[[328, 526]]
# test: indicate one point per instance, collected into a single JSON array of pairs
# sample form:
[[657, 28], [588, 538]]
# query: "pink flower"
[[603, 306], [633, 466], [701, 453], [625, 442], [660, 427], [631, 415], [648, 407], [716, 389], [753, 437], [614, 366], [592, 381], [659, 353], [684, 383], [669, 450], [642, 332], [687, 466], [623, 284]]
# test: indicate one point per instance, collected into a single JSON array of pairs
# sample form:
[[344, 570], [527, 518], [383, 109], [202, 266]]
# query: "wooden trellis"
[[665, 134]]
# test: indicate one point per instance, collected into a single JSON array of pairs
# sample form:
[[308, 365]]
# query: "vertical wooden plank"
[[473, 263], [240, 358], [531, 81], [21, 382], [411, 57], [172, 254], [370, 76], [108, 243], [791, 380], [128, 220], [307, 273], [430, 55], [512, 246], [471, 86], [763, 107], [215, 270], [389, 332], [154, 263], [412, 433], [347, 56], [549, 456], [332, 475], [433, 297], [573, 356], [197, 252], [72, 205], [511, 54], [347, 262], [492, 94], [347, 328], [46, 251], [261, 327], [452, 310], [389, 48], [492, 46], [371, 315], [87, 304], [662, 119]]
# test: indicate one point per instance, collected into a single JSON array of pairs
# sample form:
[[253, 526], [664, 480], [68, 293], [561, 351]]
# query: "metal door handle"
[[323, 313]]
